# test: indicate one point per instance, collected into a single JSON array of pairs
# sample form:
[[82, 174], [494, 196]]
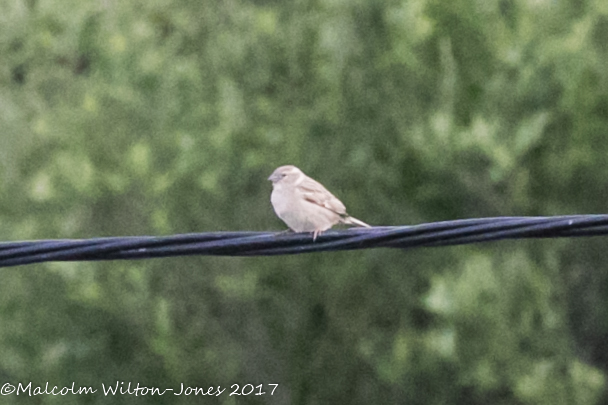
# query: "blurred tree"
[[166, 116]]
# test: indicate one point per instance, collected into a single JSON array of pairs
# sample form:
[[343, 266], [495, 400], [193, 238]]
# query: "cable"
[[435, 234]]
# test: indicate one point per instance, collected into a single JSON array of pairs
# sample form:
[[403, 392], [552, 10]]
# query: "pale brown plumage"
[[304, 204]]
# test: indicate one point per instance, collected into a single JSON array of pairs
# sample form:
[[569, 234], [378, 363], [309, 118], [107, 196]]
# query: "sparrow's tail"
[[355, 221]]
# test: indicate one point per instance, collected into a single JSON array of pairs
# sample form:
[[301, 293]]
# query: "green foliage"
[[166, 116]]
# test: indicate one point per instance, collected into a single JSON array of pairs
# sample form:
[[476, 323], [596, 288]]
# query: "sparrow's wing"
[[314, 192]]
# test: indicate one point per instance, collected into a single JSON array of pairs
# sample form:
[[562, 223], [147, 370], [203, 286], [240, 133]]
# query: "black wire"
[[445, 233]]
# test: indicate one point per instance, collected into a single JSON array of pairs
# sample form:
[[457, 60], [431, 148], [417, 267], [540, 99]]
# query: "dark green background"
[[166, 116]]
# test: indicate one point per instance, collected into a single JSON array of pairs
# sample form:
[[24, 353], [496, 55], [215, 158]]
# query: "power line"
[[434, 234]]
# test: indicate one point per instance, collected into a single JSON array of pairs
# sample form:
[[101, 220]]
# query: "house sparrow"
[[304, 204]]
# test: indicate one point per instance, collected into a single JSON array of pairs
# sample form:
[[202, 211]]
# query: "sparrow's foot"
[[315, 234]]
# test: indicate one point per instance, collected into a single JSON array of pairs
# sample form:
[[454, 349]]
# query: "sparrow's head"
[[285, 174]]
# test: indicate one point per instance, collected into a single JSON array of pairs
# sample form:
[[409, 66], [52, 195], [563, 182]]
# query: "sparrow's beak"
[[274, 177]]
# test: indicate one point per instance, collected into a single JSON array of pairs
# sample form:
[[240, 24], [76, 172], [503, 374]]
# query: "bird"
[[304, 204]]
